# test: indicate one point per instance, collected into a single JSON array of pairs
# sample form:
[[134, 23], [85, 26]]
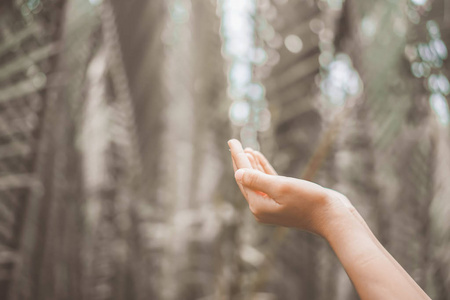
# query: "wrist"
[[337, 218]]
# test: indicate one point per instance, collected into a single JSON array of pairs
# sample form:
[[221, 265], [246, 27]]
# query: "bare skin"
[[304, 205]]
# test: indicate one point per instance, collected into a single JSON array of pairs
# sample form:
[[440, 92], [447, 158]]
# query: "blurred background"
[[115, 176]]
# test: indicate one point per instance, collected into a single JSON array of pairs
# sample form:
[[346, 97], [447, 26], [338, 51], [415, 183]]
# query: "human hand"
[[280, 200], [302, 204]]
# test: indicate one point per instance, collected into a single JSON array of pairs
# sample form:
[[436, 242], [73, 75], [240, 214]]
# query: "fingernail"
[[239, 174]]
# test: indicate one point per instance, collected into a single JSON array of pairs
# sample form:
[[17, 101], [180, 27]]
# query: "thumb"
[[256, 180]]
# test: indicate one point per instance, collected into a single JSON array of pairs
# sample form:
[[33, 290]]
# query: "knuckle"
[[252, 179], [283, 188]]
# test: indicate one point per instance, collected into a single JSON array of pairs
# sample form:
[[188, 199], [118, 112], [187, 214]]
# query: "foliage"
[[115, 177]]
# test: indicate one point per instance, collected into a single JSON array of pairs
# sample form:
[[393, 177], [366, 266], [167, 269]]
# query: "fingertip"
[[233, 141], [239, 175], [258, 153]]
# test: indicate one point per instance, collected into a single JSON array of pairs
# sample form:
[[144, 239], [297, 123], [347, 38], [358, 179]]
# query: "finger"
[[234, 164], [265, 163], [252, 161], [240, 158], [255, 165], [257, 181], [243, 191], [247, 193], [263, 207], [260, 167]]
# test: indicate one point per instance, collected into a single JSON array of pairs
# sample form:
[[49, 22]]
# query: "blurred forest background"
[[115, 175]]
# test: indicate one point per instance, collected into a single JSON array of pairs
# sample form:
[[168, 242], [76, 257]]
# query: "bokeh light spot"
[[264, 120], [433, 29], [335, 4], [369, 26], [95, 2], [179, 12], [255, 92], [440, 107], [259, 56], [439, 48], [32, 4], [316, 25], [341, 80], [293, 43], [240, 73], [239, 112], [420, 69], [439, 84], [419, 2]]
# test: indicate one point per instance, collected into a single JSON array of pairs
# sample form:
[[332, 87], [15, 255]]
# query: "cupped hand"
[[280, 200]]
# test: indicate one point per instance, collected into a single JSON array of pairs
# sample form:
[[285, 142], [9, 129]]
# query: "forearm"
[[405, 274], [307, 206], [372, 272]]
